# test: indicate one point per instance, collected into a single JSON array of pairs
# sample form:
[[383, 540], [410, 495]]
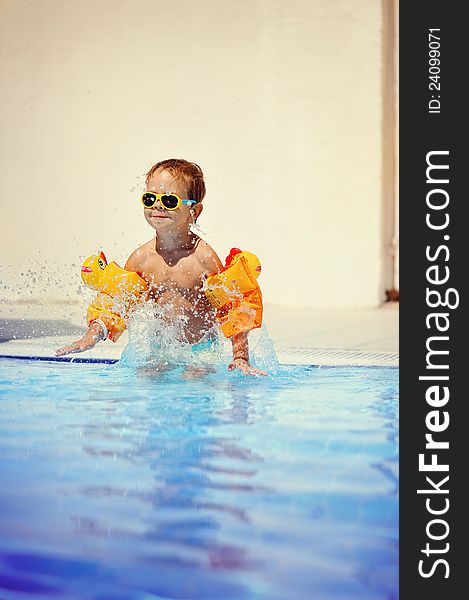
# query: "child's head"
[[183, 172], [180, 177]]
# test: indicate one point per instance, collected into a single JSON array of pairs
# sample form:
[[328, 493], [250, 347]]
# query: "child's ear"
[[197, 208]]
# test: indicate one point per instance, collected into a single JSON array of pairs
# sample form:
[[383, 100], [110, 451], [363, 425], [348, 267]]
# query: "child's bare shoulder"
[[208, 257], [138, 256]]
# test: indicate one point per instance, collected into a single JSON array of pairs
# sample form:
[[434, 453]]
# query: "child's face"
[[162, 182]]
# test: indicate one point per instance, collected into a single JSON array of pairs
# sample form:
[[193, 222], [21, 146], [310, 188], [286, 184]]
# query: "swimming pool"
[[119, 484]]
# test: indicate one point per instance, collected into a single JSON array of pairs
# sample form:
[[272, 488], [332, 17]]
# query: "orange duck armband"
[[236, 294], [118, 291]]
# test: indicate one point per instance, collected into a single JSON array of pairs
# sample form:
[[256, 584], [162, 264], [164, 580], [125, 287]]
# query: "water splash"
[[262, 351], [157, 341], [197, 229]]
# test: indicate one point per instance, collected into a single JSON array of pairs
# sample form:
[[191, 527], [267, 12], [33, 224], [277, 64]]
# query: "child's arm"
[[241, 356], [97, 329], [239, 341], [89, 340]]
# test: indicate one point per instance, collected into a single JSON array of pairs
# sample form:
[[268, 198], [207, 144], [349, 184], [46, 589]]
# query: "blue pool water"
[[119, 484]]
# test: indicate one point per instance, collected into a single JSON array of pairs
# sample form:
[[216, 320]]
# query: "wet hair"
[[183, 171]]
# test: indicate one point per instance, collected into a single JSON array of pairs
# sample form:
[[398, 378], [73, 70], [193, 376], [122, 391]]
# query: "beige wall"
[[279, 102]]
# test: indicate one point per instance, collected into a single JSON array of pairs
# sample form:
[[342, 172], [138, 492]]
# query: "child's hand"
[[242, 365], [88, 341]]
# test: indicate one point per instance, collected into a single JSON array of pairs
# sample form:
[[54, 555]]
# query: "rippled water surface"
[[119, 484]]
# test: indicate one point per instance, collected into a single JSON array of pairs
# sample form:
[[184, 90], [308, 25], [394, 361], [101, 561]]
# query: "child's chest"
[[185, 274]]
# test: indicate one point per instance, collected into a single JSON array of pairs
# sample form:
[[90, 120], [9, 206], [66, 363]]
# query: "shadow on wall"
[[22, 329]]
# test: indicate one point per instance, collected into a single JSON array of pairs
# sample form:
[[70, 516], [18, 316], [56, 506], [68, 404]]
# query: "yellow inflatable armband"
[[104, 311], [118, 288], [110, 279], [236, 294]]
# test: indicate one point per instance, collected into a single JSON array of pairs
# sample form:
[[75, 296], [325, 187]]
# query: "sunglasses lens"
[[148, 200], [170, 201]]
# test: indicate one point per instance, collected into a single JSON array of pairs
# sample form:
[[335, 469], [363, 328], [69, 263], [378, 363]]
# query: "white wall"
[[279, 102]]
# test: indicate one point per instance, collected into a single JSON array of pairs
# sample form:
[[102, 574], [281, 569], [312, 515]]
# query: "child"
[[176, 262]]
